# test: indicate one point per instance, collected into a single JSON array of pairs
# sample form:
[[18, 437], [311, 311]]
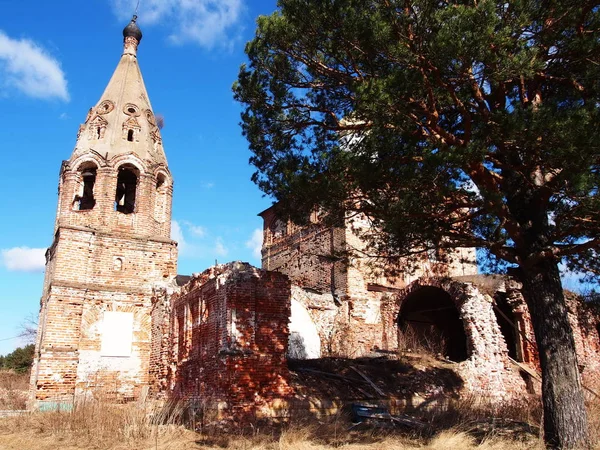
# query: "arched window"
[[86, 179], [97, 128], [160, 202], [131, 130], [126, 189]]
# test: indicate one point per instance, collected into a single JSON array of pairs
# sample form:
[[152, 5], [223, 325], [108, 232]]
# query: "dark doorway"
[[429, 319]]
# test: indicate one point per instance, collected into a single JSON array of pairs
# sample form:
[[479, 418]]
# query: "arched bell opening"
[[125, 194], [430, 321], [86, 179], [161, 197]]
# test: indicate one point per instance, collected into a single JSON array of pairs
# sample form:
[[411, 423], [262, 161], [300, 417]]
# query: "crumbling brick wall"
[[339, 283], [229, 331], [160, 341], [309, 255], [585, 321]]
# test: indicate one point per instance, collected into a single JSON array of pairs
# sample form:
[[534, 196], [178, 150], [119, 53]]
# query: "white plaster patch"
[[117, 333], [304, 341], [373, 311]]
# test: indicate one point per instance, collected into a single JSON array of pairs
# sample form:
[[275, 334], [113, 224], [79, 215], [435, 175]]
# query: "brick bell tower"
[[112, 248]]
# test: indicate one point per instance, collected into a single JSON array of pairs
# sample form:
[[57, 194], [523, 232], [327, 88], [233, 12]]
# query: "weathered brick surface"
[[111, 250], [340, 285], [306, 254], [585, 320], [354, 303], [229, 331]]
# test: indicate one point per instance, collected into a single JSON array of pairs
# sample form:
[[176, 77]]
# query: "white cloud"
[[220, 249], [255, 242], [207, 23], [196, 230], [28, 68], [24, 259]]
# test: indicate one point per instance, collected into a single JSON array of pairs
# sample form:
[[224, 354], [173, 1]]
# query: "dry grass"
[[460, 425], [13, 390]]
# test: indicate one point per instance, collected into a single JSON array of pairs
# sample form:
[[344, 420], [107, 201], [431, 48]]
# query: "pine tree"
[[457, 123]]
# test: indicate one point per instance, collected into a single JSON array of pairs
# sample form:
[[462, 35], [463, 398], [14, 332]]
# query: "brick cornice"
[[99, 287], [137, 237]]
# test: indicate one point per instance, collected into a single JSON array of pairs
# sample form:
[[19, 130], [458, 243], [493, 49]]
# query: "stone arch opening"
[[429, 319], [86, 179], [125, 195]]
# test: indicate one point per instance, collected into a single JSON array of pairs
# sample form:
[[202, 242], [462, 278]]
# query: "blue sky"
[[55, 60]]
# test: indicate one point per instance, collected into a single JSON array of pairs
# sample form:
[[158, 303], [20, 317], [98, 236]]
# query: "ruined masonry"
[[117, 322]]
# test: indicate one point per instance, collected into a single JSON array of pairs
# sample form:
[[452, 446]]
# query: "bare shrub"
[[431, 344], [13, 390]]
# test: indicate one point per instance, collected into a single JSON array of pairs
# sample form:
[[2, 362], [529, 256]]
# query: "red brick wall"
[[101, 261], [229, 331], [585, 320], [306, 254]]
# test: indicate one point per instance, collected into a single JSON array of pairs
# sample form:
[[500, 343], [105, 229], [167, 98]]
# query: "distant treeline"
[[19, 360]]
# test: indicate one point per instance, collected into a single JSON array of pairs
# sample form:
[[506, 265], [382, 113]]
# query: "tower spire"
[[122, 121]]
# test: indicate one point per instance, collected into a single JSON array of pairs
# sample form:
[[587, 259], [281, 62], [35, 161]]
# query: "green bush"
[[19, 360]]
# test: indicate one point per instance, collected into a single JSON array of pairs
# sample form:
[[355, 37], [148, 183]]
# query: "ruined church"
[[117, 320]]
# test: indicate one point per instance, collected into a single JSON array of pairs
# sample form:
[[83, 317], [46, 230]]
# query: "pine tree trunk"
[[565, 416]]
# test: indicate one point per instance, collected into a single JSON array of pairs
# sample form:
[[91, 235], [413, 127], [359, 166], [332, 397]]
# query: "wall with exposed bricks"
[[229, 331], [102, 260]]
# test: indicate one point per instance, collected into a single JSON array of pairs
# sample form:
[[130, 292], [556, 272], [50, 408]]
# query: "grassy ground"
[[45, 432], [465, 424], [116, 427]]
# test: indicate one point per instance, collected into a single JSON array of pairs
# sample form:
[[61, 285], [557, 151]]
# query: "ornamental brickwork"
[[111, 252]]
